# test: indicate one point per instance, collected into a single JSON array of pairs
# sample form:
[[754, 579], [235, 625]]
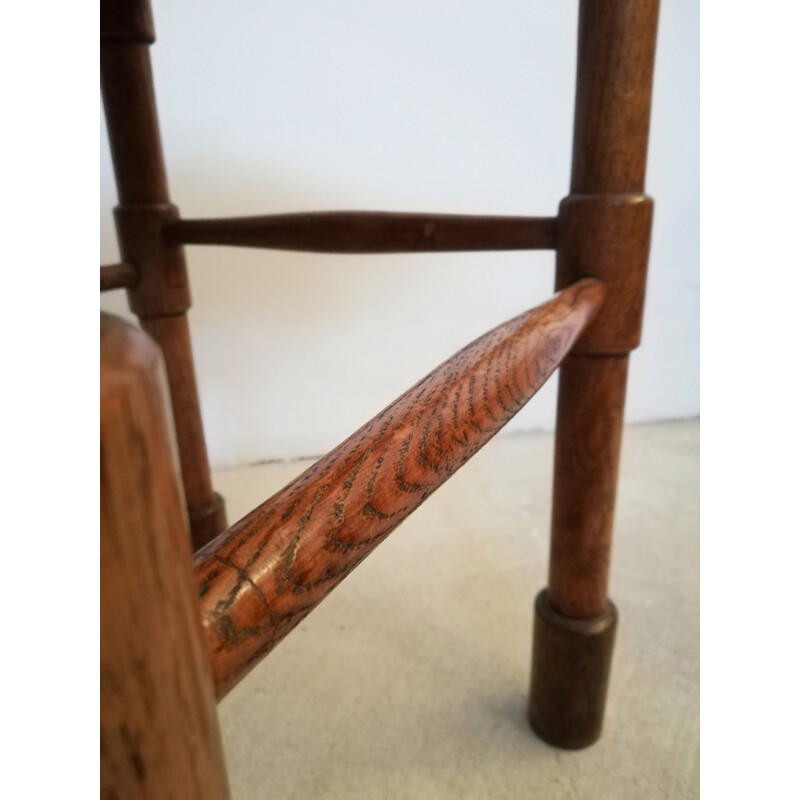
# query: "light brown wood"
[[158, 727], [271, 568], [369, 232]]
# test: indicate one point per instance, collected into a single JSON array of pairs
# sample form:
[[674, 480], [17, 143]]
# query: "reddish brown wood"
[[158, 729], [160, 297], [603, 232], [117, 276], [370, 232], [607, 237], [172, 336], [616, 52], [271, 568], [591, 399]]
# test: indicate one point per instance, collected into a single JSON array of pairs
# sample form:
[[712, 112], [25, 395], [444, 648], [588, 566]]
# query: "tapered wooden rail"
[[117, 276], [369, 232], [266, 572]]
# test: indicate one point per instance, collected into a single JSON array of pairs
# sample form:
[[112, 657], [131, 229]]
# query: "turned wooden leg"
[[603, 231], [160, 296], [206, 507], [575, 623], [159, 737]]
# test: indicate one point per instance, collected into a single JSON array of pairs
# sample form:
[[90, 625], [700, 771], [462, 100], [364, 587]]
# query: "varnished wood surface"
[[608, 237], [162, 289], [172, 336], [616, 51], [158, 728], [117, 276], [569, 680], [591, 400], [370, 232], [603, 232], [126, 82], [160, 296], [127, 21], [271, 568]]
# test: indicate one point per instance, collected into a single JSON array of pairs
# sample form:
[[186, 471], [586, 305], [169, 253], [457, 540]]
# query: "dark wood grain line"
[[291, 551]]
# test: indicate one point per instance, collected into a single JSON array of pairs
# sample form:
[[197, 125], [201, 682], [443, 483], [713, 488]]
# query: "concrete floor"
[[410, 680]]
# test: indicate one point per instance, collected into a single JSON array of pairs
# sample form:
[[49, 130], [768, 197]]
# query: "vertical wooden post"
[[158, 726], [161, 296], [603, 231]]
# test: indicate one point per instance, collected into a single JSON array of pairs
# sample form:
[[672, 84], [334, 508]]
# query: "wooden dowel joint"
[[607, 237], [118, 276], [163, 286]]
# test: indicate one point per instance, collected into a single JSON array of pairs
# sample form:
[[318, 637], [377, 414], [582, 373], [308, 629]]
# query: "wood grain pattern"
[[591, 399], [616, 53], [603, 232], [158, 728], [369, 232], [271, 568]]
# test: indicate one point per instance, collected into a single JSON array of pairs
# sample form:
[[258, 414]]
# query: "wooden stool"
[[179, 631]]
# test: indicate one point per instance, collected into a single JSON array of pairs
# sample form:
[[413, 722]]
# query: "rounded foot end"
[[571, 666]]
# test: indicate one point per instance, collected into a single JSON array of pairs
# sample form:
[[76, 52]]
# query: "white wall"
[[443, 106]]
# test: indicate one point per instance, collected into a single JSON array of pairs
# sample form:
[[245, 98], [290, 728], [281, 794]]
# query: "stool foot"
[[208, 521], [571, 666]]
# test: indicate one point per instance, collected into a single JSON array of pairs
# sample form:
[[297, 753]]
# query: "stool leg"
[[603, 231], [575, 623], [159, 736], [160, 297]]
